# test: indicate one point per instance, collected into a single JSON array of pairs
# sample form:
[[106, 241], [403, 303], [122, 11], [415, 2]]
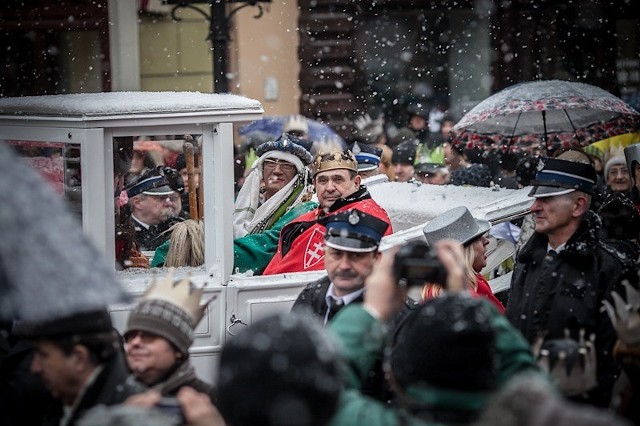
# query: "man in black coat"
[[561, 278], [81, 363], [351, 249]]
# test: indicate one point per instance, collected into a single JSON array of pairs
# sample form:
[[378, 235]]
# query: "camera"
[[171, 406], [416, 264]]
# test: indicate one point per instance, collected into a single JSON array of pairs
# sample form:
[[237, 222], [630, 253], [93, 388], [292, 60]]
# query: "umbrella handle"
[[188, 157]]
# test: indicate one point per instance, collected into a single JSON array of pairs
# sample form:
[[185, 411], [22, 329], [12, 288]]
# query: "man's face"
[[58, 371], [348, 270], [553, 214], [334, 184], [149, 356], [276, 174], [176, 204], [404, 172], [618, 178], [153, 209], [417, 123]]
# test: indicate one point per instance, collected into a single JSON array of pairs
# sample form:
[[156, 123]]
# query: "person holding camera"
[[459, 225], [351, 244], [431, 370]]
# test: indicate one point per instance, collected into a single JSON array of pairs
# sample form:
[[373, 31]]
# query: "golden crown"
[[335, 159], [181, 293]]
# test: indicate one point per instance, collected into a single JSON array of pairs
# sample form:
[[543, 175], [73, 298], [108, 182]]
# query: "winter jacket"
[[484, 289], [110, 387], [557, 292], [301, 243], [312, 299], [362, 340]]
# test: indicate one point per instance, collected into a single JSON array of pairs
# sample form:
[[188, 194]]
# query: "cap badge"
[[354, 218]]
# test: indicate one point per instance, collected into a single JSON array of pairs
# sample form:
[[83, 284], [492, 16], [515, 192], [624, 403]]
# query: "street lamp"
[[218, 31]]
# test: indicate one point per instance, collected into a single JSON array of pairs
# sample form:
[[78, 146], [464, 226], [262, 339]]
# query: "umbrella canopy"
[[318, 132], [545, 115], [48, 268]]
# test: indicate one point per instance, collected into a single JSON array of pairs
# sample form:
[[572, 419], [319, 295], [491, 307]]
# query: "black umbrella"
[[48, 267]]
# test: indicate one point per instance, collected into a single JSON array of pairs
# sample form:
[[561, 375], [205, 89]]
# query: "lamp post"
[[218, 31]]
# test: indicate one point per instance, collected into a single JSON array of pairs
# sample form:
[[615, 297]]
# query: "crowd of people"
[[360, 346]]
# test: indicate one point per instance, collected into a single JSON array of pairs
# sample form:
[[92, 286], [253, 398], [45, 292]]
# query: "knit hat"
[[618, 160], [620, 218], [434, 344], [457, 224], [405, 153], [280, 370], [404, 135], [559, 177], [170, 309]]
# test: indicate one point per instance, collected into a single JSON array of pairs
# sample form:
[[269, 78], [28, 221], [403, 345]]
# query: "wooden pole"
[[193, 202], [200, 185]]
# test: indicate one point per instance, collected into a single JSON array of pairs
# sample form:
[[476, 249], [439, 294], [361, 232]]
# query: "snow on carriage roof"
[[410, 204], [90, 106]]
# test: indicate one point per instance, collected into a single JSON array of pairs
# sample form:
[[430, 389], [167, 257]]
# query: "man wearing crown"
[[159, 333], [337, 185]]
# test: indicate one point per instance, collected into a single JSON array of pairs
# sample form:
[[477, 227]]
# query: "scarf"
[[251, 215]]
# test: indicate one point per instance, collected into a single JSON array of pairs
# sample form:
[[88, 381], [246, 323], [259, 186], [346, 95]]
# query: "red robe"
[[301, 242]]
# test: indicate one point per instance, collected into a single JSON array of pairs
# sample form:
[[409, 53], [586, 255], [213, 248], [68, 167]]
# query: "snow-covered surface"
[[95, 105], [410, 204]]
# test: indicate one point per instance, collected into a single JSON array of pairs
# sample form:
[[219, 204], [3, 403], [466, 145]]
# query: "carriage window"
[[58, 164], [159, 201]]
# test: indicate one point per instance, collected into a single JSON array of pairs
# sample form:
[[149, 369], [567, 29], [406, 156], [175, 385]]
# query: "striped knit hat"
[[170, 309]]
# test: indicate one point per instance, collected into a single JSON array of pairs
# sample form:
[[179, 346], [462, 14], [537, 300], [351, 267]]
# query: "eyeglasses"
[[270, 165], [145, 337]]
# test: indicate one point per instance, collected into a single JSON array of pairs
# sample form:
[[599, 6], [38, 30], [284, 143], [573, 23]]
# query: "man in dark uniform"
[[562, 276], [351, 249], [81, 363], [151, 204]]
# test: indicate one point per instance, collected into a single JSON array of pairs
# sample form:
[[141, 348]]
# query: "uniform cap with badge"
[[353, 231]]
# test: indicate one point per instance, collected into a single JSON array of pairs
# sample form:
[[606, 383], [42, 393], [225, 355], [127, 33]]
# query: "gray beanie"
[[164, 319], [618, 160]]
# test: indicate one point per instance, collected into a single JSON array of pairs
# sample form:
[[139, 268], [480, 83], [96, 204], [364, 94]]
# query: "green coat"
[[253, 251], [362, 338]]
